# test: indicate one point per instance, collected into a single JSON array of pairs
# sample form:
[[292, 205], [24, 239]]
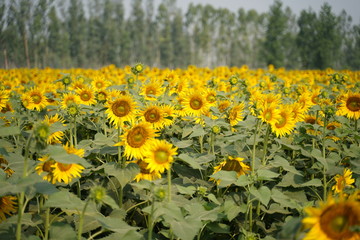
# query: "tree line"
[[92, 34]]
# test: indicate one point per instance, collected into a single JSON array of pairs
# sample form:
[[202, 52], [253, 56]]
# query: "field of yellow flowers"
[[196, 153]]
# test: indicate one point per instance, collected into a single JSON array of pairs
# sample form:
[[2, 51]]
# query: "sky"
[[352, 7]]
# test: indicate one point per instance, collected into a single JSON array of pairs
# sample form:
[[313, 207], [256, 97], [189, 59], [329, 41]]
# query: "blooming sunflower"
[[333, 220], [27, 101], [233, 164], [169, 114], [305, 101], [152, 90], [285, 123], [4, 97], [68, 99], [66, 172], [39, 100], [159, 155], [269, 113], [350, 106], [86, 96], [54, 137], [120, 110], [343, 181], [45, 168], [235, 114], [99, 83], [7, 206], [136, 140], [153, 114], [194, 103], [145, 173]]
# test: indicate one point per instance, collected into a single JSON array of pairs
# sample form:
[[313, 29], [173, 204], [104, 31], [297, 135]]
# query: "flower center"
[[99, 84], [161, 156], [281, 122], [47, 166], [121, 108], [152, 115], [150, 91], [85, 96], [137, 137], [268, 116], [64, 167], [36, 99], [353, 104], [143, 167], [196, 103]]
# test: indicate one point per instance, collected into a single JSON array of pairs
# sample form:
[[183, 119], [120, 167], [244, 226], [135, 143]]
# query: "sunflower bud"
[[73, 109], [138, 68], [233, 80], [66, 81], [202, 190], [98, 194], [216, 129], [160, 194]]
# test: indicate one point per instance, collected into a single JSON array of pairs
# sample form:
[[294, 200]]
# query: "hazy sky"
[[352, 7]]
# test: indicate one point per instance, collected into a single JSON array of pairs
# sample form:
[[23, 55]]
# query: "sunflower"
[[145, 173], [269, 113], [102, 95], [159, 155], [152, 90], [39, 100], [343, 181], [153, 114], [223, 105], [233, 164], [350, 106], [270, 98], [210, 96], [333, 220], [4, 165], [54, 137], [235, 114], [99, 83], [27, 101], [121, 110], [169, 114], [297, 112], [136, 140], [86, 96], [285, 123], [195, 104], [66, 172], [7, 206], [45, 168], [68, 99], [305, 101], [4, 98]]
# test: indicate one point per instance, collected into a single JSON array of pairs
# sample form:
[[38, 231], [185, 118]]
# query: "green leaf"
[[7, 131], [316, 153], [101, 140], [197, 131], [183, 144], [59, 154], [282, 162], [190, 160], [212, 198], [65, 200], [263, 194], [282, 199], [110, 201], [264, 174], [226, 177], [242, 181], [188, 190], [231, 209], [61, 230], [123, 175], [314, 182], [186, 229], [218, 227], [116, 225]]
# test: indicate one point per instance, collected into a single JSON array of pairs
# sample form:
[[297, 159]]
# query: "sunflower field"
[[196, 153]]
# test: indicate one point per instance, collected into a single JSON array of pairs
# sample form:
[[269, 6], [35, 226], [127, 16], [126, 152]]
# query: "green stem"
[[266, 139], [121, 196], [120, 161], [75, 133], [47, 223], [21, 205], [151, 220], [254, 147], [324, 155], [356, 127], [81, 220], [169, 183], [201, 138]]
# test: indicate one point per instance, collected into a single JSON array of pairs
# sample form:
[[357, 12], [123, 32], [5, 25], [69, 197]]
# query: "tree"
[[275, 33]]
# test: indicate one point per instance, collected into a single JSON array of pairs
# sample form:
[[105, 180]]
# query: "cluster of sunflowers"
[[150, 115]]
